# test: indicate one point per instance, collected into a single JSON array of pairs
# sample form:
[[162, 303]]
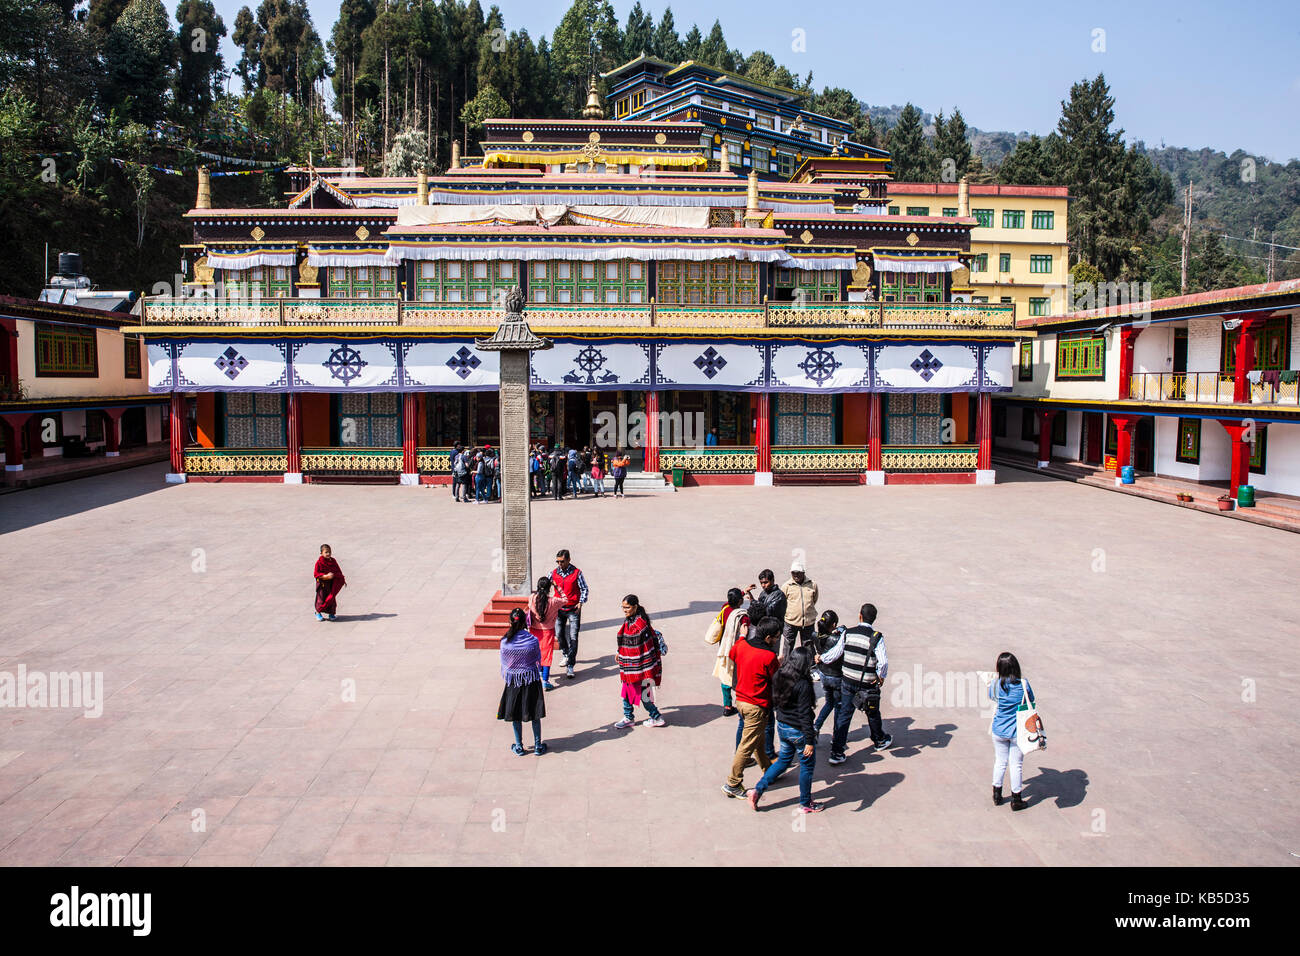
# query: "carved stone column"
[[514, 340]]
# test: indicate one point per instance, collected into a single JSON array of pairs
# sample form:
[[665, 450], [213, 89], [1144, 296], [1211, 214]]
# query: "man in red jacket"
[[571, 592], [755, 666]]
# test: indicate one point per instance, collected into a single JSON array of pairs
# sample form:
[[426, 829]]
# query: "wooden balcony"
[[197, 312], [1209, 388]]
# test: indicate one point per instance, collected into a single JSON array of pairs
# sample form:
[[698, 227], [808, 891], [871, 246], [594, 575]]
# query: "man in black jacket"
[[770, 597], [863, 668]]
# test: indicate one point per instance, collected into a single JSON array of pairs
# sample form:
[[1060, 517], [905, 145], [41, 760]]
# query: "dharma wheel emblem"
[[820, 365], [345, 364]]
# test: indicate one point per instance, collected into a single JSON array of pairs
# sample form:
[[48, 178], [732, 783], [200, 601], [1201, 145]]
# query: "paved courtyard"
[[1162, 644]]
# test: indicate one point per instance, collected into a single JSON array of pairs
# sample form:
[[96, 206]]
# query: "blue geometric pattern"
[[231, 362], [926, 365], [464, 362], [710, 362], [590, 360]]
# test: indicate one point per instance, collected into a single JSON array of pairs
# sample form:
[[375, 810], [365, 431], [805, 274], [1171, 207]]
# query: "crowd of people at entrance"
[[560, 472]]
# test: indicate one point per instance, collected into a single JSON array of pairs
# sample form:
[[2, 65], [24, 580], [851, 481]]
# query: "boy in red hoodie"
[[756, 664]]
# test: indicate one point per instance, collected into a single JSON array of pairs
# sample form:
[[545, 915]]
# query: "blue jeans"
[[769, 734], [832, 685], [791, 742], [646, 702], [519, 732], [844, 717], [567, 625], [575, 483]]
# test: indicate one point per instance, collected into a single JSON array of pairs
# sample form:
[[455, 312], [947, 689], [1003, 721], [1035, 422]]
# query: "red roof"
[[977, 189], [1173, 302]]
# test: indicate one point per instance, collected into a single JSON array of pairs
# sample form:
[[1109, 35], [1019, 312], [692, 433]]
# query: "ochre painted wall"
[[207, 419], [961, 418], [315, 420], [857, 411]]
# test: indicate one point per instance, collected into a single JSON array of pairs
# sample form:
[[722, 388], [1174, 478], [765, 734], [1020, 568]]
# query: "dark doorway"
[[1180, 351], [577, 420], [1144, 445], [1092, 438], [487, 428], [134, 431]]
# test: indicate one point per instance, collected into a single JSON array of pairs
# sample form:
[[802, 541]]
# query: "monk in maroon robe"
[[329, 582]]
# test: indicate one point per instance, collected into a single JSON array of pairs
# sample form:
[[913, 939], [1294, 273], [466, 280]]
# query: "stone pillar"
[[410, 436], [177, 437], [514, 340], [13, 426], [984, 473], [293, 435], [875, 439], [652, 433], [1127, 339], [112, 431], [763, 439], [1045, 436]]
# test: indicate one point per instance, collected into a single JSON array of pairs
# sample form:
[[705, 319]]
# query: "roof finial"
[[594, 110]]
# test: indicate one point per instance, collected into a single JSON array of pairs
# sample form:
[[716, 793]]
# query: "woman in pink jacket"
[[542, 611]]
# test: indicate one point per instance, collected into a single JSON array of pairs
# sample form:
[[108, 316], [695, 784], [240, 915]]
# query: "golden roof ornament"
[[594, 110]]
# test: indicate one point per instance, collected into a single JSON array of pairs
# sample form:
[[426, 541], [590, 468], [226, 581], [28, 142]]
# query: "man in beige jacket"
[[800, 608]]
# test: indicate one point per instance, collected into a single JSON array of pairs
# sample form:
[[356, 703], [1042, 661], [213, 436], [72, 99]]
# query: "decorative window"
[[1040, 264], [131, 357], [759, 158], [918, 210], [447, 280], [364, 282], [1043, 219], [66, 351], [893, 210], [1026, 361], [723, 282], [371, 420], [804, 420], [763, 121], [1039, 305], [949, 212], [980, 263], [1013, 219], [1259, 450], [1189, 441], [253, 420], [1004, 262], [985, 217], [505, 270], [1081, 356], [638, 99], [912, 418], [608, 282], [1272, 347]]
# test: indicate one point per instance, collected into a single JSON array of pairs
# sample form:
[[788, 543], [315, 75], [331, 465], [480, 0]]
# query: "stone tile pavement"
[[237, 730]]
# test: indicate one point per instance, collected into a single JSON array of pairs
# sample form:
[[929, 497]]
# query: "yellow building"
[[1019, 249]]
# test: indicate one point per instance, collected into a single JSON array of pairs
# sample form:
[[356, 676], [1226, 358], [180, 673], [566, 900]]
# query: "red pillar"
[[763, 435], [112, 429], [1124, 425], [177, 436], [652, 432], [1239, 457], [13, 426], [874, 436], [1245, 359], [984, 432], [293, 435], [1045, 436], [410, 432], [1127, 339]]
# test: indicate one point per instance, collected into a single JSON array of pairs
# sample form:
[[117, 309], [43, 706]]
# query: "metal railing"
[[293, 312], [1211, 388]]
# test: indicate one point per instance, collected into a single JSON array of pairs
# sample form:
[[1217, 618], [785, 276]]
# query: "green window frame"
[[1040, 264], [376, 419], [1026, 361], [714, 282], [1189, 441], [893, 210], [985, 217], [1039, 305], [363, 282], [448, 280], [1081, 356], [1013, 219], [252, 420], [1043, 219], [262, 281], [918, 210], [66, 351], [950, 212], [1004, 262], [980, 263], [816, 285]]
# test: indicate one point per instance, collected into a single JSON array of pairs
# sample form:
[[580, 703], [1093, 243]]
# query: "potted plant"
[[1225, 502]]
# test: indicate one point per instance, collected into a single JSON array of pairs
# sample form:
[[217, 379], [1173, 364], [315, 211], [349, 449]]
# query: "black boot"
[[1017, 802], [997, 796]]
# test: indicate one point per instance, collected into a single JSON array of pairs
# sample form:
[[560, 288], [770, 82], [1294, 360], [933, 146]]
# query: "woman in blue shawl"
[[521, 669]]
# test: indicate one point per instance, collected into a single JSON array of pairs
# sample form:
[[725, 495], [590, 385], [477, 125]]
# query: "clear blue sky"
[[1193, 74]]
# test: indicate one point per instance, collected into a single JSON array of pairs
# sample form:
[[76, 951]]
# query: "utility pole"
[[1187, 235], [1272, 256]]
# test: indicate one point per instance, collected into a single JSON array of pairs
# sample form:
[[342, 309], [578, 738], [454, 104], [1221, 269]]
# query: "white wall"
[[1216, 450], [1154, 349], [1166, 451], [1282, 462], [1204, 342]]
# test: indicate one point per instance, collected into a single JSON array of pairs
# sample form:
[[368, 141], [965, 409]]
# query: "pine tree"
[[714, 51], [693, 43], [201, 64], [907, 147], [667, 44], [638, 35], [950, 143], [138, 57], [1093, 167]]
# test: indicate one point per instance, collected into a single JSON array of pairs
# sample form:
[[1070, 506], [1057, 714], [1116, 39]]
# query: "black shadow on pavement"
[[1067, 786]]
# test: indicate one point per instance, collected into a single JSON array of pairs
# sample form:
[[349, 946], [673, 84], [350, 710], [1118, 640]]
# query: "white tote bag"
[[1029, 726]]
